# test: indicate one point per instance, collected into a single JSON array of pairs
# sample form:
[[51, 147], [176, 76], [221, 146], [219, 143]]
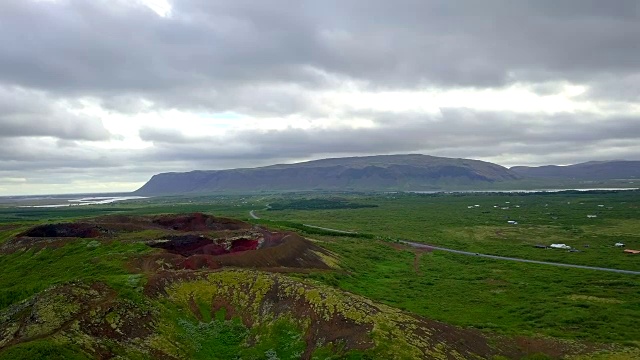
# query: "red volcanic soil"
[[241, 245], [187, 245], [272, 251], [288, 250]]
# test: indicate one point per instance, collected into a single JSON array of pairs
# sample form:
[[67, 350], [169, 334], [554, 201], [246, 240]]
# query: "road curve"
[[494, 257]]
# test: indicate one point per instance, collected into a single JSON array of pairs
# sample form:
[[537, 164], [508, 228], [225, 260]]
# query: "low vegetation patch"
[[317, 204]]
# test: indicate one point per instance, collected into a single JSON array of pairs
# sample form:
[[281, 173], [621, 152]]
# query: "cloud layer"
[[93, 85]]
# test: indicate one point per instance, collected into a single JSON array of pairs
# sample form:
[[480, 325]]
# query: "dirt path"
[[416, 263]]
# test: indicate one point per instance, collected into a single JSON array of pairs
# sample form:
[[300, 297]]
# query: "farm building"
[[629, 251]]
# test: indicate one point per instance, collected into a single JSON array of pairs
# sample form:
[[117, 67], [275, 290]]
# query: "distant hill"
[[383, 172], [593, 170]]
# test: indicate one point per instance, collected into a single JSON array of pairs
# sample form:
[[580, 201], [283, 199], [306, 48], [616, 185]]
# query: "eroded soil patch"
[[188, 245], [269, 251]]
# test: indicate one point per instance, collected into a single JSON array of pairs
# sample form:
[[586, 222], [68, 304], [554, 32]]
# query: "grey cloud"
[[29, 153], [539, 154], [27, 113], [454, 132], [615, 89], [267, 59], [506, 138], [172, 136], [209, 50]]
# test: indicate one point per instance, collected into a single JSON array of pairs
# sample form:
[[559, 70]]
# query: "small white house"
[[560, 246], [619, 244], [592, 216], [512, 222]]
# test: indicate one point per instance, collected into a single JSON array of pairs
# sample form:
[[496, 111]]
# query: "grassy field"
[[504, 297], [508, 297], [454, 221]]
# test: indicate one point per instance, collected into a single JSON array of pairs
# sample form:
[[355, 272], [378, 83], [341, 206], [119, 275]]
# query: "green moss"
[[48, 314], [113, 319], [245, 290], [43, 350]]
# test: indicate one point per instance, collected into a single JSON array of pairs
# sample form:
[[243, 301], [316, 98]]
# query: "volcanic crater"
[[185, 241]]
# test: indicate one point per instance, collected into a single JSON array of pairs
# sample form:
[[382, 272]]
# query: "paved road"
[[494, 257]]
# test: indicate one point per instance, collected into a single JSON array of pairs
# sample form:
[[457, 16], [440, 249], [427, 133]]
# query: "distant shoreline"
[[58, 202]]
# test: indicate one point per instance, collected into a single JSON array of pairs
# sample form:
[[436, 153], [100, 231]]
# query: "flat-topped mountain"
[[592, 170], [383, 172]]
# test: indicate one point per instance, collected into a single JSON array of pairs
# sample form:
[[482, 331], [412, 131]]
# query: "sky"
[[99, 95]]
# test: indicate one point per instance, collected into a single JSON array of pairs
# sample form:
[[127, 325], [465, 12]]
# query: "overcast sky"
[[98, 95]]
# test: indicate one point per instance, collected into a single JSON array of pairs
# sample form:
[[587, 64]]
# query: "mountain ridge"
[[379, 172], [591, 170], [401, 172]]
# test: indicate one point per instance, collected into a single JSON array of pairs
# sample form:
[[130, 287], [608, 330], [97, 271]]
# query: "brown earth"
[[416, 263]]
